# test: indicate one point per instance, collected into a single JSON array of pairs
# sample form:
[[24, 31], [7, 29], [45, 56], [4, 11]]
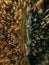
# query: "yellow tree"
[[13, 31]]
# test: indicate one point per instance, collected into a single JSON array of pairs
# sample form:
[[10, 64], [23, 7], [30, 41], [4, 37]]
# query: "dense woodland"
[[24, 32]]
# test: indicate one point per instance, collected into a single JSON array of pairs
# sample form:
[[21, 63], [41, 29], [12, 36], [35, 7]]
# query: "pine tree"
[[38, 33]]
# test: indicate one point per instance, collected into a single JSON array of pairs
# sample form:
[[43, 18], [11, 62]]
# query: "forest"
[[24, 32]]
